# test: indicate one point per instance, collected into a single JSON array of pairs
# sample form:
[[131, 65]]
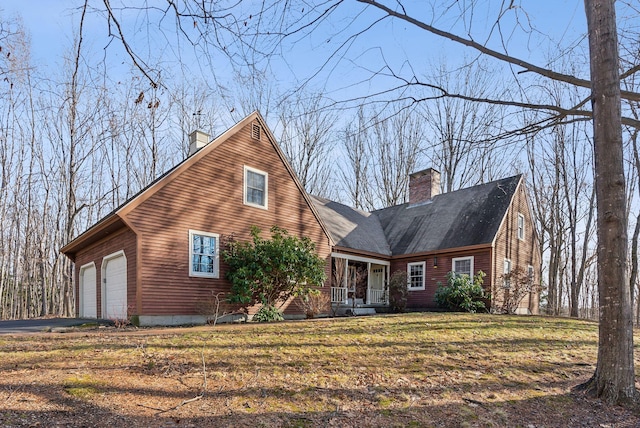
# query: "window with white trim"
[[204, 259], [520, 226], [255, 187], [506, 282], [530, 275], [462, 266], [415, 276]]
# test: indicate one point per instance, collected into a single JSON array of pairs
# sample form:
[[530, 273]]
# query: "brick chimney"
[[423, 185], [197, 140]]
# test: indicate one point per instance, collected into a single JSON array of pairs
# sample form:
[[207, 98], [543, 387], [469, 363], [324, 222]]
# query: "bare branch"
[[140, 65], [528, 67]]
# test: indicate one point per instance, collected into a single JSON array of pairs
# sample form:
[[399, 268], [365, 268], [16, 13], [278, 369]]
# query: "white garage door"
[[114, 278], [88, 297]]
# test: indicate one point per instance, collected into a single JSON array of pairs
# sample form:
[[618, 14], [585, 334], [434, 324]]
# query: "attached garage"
[[88, 295], [114, 286]]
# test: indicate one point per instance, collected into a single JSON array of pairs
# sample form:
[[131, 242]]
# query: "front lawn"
[[420, 369]]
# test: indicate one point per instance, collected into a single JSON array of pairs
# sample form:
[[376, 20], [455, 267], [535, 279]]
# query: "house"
[[486, 228], [157, 256]]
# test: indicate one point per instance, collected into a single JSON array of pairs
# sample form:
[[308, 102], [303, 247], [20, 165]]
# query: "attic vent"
[[255, 131]]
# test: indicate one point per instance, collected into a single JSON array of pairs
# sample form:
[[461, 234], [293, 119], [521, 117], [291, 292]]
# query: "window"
[[203, 254], [462, 266], [415, 272], [506, 282], [520, 226], [530, 275], [255, 187]]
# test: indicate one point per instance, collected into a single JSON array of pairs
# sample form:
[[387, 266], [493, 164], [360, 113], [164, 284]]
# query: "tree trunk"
[[633, 275], [613, 380]]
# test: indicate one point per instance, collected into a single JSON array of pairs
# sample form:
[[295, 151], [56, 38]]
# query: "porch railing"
[[378, 297], [339, 295]]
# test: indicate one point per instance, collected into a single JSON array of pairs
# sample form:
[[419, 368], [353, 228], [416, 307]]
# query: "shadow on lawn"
[[398, 375], [452, 354], [351, 408]]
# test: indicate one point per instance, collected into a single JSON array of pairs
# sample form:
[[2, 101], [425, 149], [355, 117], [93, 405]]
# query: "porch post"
[[368, 283], [346, 274], [385, 286], [387, 276]]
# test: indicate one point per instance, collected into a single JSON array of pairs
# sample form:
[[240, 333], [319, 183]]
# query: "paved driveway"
[[42, 325]]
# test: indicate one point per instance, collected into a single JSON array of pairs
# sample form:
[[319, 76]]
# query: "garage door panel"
[[115, 286], [88, 294]]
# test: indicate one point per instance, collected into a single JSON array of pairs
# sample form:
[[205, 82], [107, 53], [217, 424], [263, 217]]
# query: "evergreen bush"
[[462, 293]]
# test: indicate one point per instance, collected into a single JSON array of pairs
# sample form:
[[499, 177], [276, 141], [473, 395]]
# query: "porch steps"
[[358, 309], [353, 308], [363, 311]]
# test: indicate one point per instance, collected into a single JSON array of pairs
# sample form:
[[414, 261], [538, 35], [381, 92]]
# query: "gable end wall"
[[522, 253], [208, 197]]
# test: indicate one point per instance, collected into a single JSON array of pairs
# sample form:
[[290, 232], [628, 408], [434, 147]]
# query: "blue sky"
[[48, 22], [51, 25]]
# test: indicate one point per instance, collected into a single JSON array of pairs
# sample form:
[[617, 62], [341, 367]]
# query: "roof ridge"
[[440, 195]]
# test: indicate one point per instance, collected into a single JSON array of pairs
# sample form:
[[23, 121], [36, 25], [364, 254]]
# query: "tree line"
[[77, 144]]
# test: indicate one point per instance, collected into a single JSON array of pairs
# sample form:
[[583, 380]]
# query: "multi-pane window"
[[203, 254], [416, 274], [520, 226], [255, 187], [462, 266]]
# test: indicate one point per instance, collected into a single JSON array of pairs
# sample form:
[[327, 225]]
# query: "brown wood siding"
[[208, 197], [125, 240], [521, 252], [425, 299]]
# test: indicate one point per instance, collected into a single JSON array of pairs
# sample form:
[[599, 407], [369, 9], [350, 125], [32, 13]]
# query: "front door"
[[376, 284]]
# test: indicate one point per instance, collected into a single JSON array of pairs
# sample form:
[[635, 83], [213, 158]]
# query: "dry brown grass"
[[424, 369]]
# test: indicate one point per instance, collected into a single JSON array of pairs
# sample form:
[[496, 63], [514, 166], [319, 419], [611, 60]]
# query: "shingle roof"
[[465, 217], [352, 228]]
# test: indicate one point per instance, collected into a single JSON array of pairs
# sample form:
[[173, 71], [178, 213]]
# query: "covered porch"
[[358, 284]]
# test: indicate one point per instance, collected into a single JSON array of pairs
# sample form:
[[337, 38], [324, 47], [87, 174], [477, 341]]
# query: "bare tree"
[[193, 107], [356, 164], [463, 145], [630, 56], [253, 36], [614, 377], [395, 145], [307, 139], [380, 150]]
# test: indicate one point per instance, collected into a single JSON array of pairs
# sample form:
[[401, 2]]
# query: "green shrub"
[[461, 293], [272, 270], [268, 313], [398, 291]]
